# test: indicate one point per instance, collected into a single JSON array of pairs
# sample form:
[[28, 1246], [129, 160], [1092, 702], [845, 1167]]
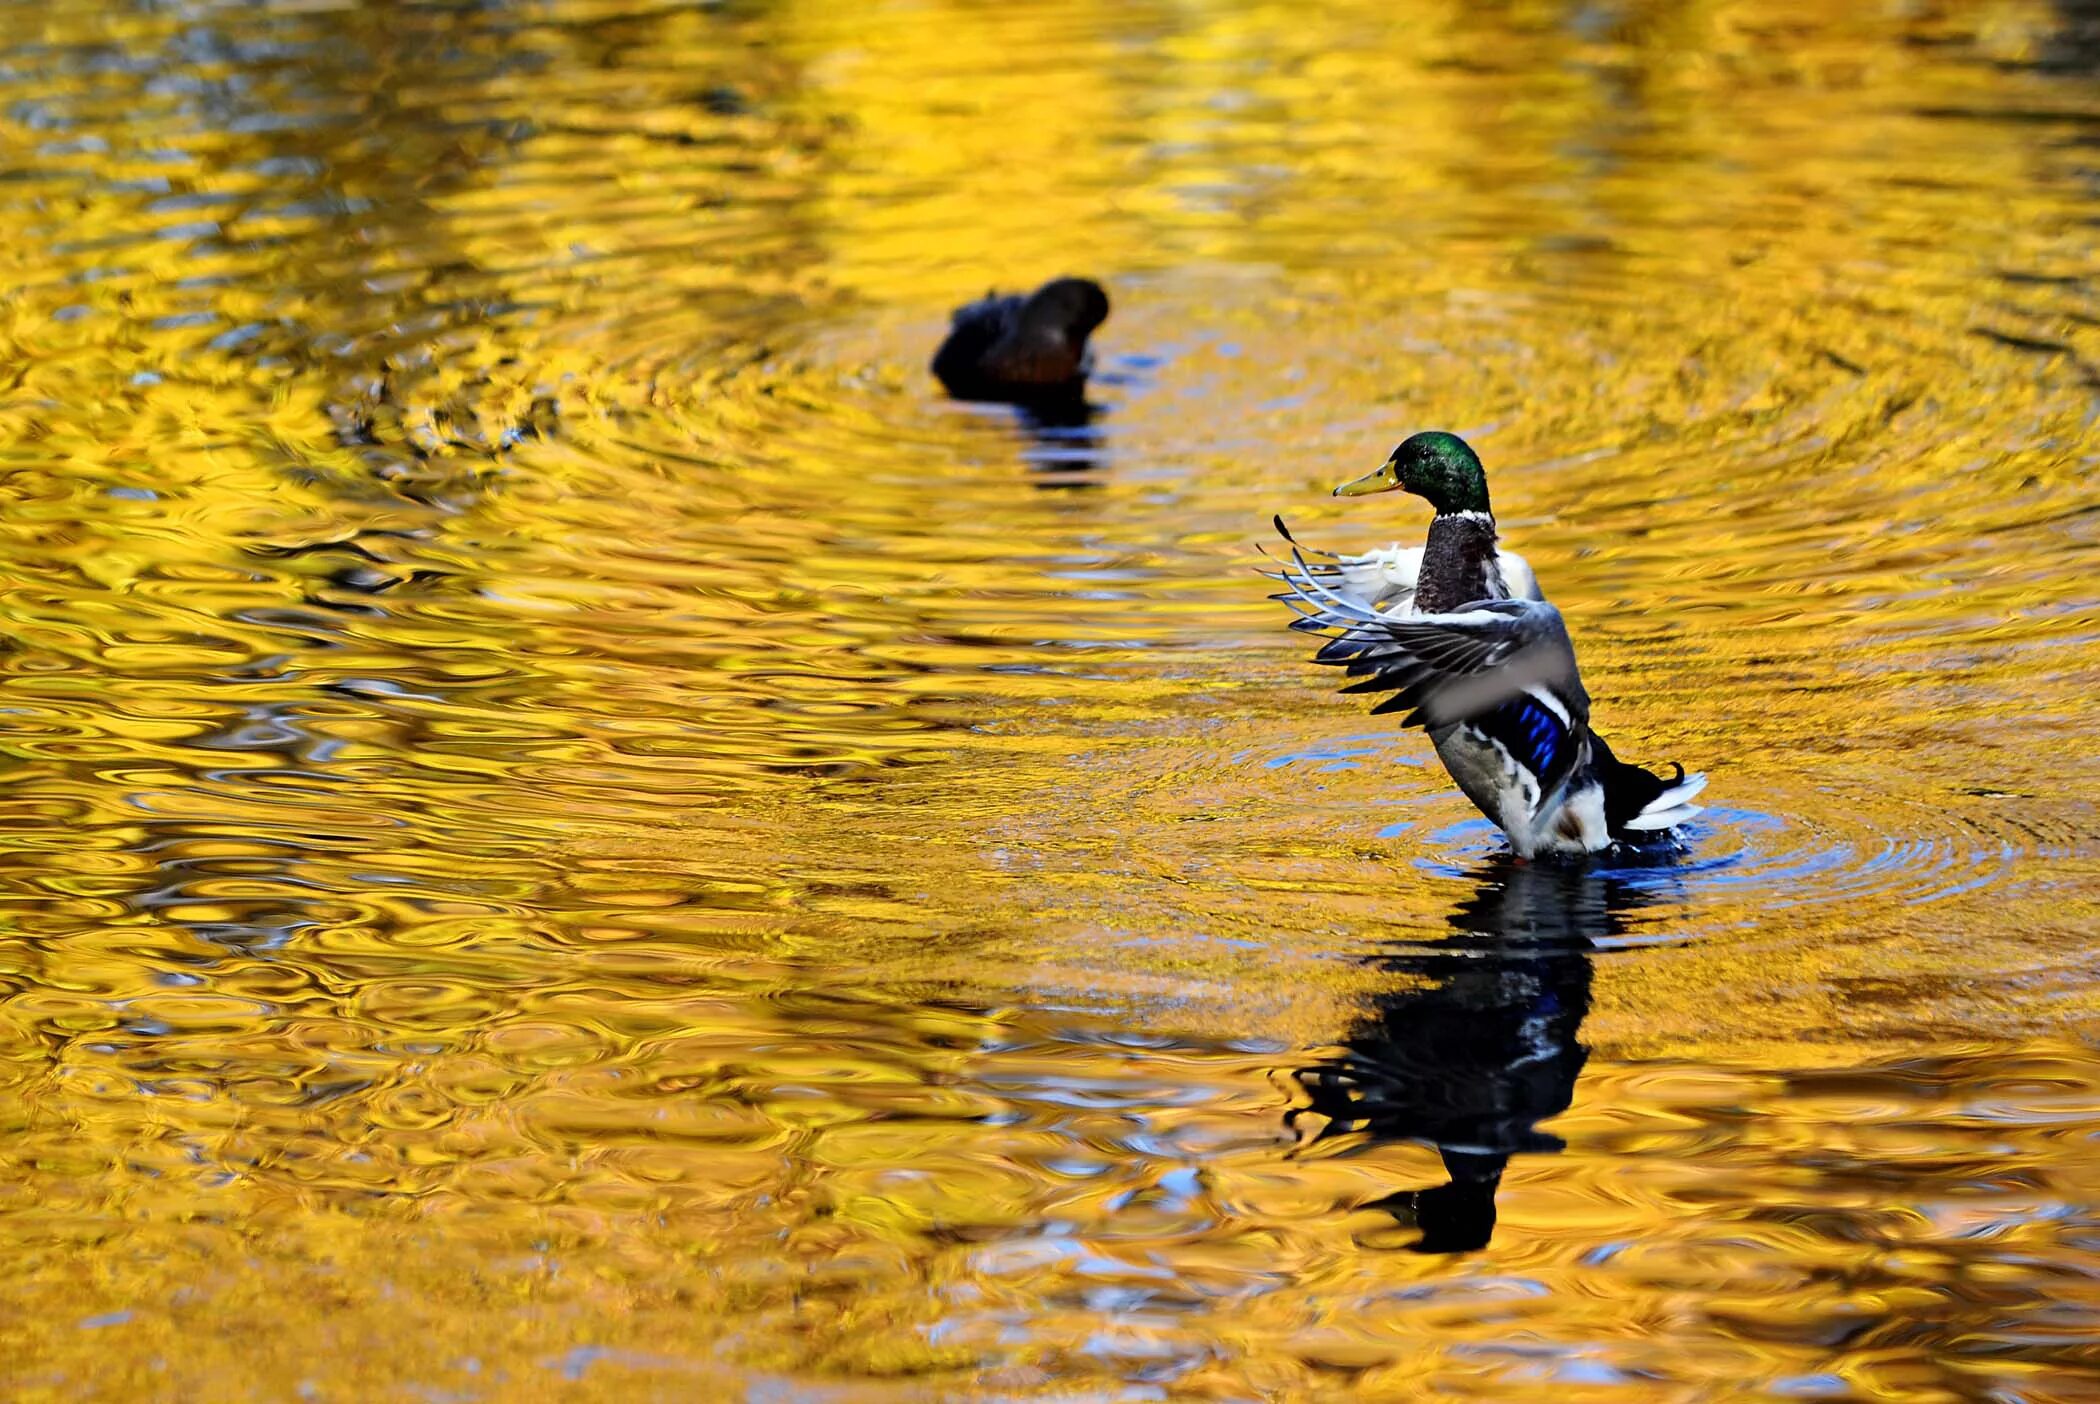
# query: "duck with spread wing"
[[1460, 634]]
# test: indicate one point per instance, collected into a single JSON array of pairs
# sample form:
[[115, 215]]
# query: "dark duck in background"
[[1460, 633], [1028, 351]]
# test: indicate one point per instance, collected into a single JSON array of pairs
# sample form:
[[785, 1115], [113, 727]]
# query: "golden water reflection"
[[571, 830]]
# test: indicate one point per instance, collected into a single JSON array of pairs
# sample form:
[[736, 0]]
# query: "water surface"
[[571, 830]]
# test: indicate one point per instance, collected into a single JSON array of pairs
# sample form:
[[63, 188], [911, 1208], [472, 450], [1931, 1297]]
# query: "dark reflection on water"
[[1060, 439], [2074, 45], [1065, 438], [1481, 1044]]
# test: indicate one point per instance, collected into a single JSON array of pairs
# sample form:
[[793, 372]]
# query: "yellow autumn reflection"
[[570, 830]]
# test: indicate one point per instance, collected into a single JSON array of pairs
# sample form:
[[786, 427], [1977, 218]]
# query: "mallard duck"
[[1463, 636], [1022, 349]]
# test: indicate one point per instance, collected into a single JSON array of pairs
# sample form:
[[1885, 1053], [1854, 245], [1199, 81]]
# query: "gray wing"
[[1443, 667], [1383, 579], [1518, 577]]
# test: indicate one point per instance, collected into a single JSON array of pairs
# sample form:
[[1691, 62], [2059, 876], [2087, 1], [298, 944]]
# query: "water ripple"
[[560, 798]]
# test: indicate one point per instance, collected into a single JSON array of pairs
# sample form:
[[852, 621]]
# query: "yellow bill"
[[1385, 479]]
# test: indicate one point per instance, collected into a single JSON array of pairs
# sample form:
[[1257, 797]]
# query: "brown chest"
[[1458, 564]]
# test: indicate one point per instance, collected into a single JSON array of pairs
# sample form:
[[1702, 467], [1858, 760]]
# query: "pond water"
[[570, 829]]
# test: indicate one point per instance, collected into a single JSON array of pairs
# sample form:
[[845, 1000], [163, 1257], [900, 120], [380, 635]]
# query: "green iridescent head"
[[1434, 465]]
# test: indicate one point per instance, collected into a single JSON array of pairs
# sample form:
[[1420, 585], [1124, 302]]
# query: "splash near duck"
[[1459, 632]]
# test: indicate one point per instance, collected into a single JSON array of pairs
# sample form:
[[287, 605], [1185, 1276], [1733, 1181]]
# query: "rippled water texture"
[[571, 830]]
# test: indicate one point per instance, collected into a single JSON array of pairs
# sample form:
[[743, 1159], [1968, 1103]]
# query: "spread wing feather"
[[1441, 667], [1383, 579]]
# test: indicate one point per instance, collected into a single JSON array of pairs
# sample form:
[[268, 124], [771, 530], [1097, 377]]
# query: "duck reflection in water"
[[1064, 440], [1481, 1045]]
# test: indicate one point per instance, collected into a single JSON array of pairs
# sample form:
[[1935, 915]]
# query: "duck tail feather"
[[1650, 822], [1637, 800], [1681, 791]]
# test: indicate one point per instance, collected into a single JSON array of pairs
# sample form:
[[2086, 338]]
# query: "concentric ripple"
[[1765, 862], [571, 829]]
